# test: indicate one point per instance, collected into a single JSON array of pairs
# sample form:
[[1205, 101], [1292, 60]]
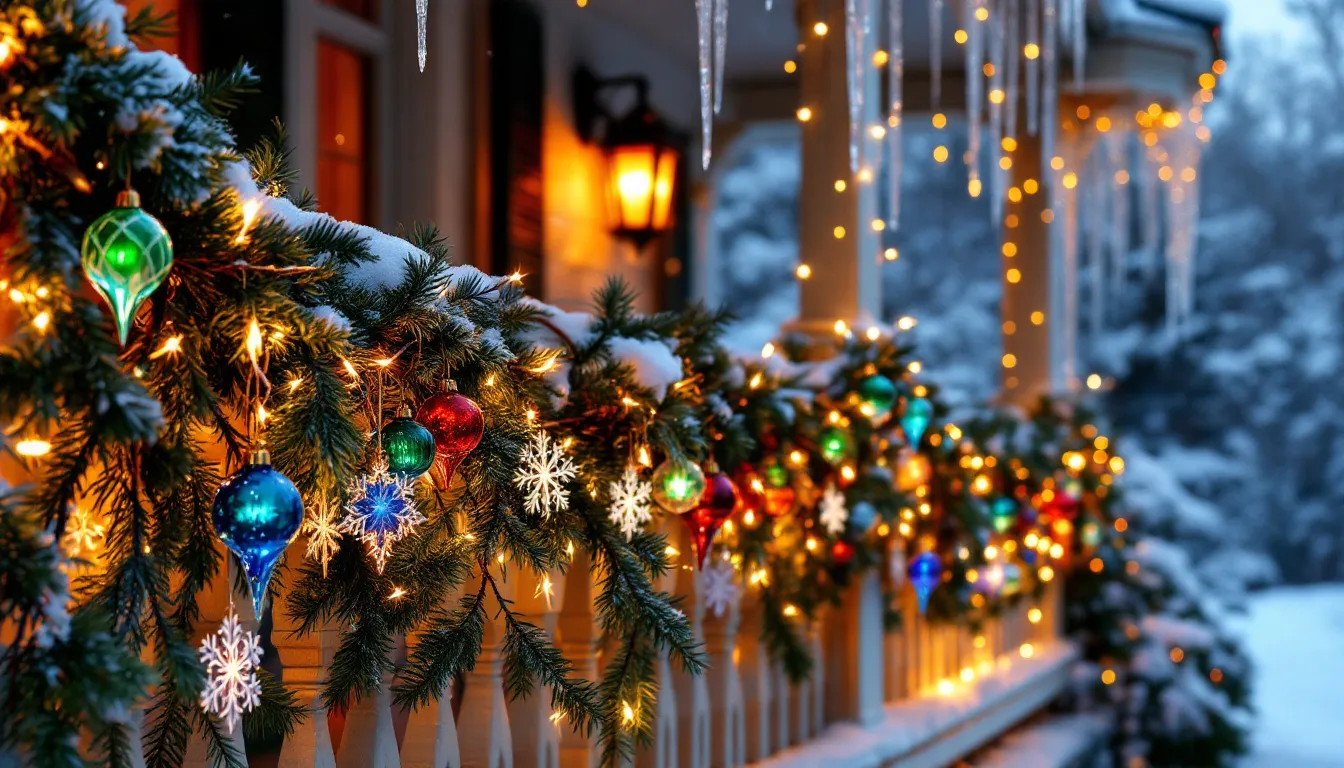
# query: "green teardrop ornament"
[[126, 254]]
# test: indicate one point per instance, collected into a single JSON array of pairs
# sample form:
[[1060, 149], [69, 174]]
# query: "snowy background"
[[1234, 433]]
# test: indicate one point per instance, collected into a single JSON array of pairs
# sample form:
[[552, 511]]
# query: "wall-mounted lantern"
[[640, 152]]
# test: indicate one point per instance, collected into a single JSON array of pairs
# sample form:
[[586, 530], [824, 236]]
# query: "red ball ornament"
[[1058, 504], [716, 505], [750, 491], [457, 425], [842, 553]]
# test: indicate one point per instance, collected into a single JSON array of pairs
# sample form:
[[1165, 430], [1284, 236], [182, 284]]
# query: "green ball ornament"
[[126, 254], [409, 446], [777, 476], [678, 485], [878, 394], [836, 445]]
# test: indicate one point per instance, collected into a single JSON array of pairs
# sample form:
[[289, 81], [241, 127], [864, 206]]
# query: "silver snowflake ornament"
[[834, 514], [719, 590], [380, 513], [543, 471], [630, 502], [324, 534], [231, 656]]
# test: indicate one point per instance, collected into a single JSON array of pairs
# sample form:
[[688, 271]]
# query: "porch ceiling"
[[760, 41]]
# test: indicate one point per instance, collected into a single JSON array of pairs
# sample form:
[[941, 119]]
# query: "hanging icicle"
[[1079, 42], [1150, 199], [1068, 198], [1095, 206], [975, 85], [422, 31], [704, 12], [1032, 52], [1011, 61], [720, 50], [935, 53], [853, 78], [1049, 108], [1117, 147], [769, 5], [997, 30], [896, 82]]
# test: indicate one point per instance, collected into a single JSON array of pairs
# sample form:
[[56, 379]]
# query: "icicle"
[[896, 77], [1049, 109], [422, 31], [1117, 147], [720, 50], [1033, 35], [1079, 42], [935, 53], [1012, 58], [1151, 212], [704, 12], [975, 85], [996, 31], [769, 5], [1070, 203], [1098, 168], [856, 19]]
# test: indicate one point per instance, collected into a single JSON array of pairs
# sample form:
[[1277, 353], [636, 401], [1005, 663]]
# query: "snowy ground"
[[1296, 636]]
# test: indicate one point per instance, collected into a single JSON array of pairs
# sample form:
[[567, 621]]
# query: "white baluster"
[[664, 752], [306, 660], [693, 701], [483, 722], [579, 635], [728, 726], [370, 738], [757, 673], [536, 736], [856, 653], [431, 732], [214, 606]]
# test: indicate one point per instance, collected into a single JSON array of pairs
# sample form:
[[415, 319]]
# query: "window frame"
[[306, 23]]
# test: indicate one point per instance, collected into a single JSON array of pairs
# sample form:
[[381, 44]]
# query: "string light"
[[32, 448], [171, 345]]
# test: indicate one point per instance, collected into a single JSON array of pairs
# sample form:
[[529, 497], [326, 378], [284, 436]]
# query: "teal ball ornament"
[[878, 394]]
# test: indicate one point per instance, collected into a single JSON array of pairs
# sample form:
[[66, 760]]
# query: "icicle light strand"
[[704, 12]]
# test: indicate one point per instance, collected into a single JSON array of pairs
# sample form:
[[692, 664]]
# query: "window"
[[343, 156]]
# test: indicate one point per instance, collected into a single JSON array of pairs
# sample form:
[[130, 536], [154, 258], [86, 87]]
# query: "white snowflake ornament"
[[324, 534], [81, 534], [630, 507], [720, 590], [834, 514], [231, 656], [542, 473]]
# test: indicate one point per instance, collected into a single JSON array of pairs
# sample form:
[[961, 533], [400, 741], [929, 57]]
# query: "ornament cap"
[[259, 456], [128, 198], [404, 412], [449, 385], [711, 466]]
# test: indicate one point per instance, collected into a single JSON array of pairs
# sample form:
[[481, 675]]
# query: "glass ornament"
[[861, 518], [912, 470], [409, 446], [678, 485], [842, 553], [925, 571], [1003, 513], [457, 425], [1012, 579], [717, 501], [126, 254], [836, 444], [1058, 504], [915, 420], [257, 512], [879, 396]]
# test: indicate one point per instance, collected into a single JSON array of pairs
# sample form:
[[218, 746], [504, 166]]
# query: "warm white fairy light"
[[324, 535]]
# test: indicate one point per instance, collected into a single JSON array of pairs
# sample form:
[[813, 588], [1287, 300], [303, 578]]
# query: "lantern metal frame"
[[640, 126]]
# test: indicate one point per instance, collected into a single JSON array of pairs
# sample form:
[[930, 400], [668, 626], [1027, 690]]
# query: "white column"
[[430, 740], [484, 717], [856, 643], [836, 237], [757, 675], [727, 726], [579, 635], [370, 738], [536, 737]]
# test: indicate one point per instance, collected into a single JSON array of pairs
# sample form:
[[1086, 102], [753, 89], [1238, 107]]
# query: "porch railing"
[[921, 695]]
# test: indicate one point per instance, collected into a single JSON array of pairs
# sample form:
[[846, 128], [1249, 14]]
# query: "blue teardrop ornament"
[[918, 413], [257, 513]]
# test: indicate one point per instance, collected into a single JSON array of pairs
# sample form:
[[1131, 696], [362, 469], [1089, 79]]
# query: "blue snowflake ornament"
[[380, 513]]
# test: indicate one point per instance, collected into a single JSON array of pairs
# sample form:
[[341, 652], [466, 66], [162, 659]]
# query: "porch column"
[[836, 206]]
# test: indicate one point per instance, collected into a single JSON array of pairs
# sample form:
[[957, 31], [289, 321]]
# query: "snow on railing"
[[922, 694]]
